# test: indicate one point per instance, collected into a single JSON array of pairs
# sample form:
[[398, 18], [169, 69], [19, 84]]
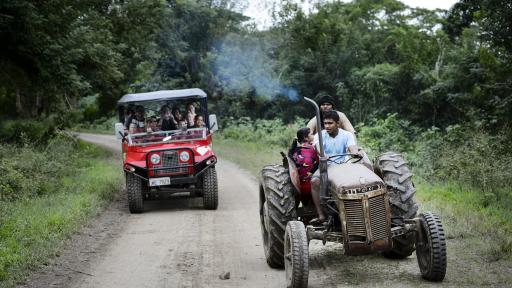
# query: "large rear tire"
[[431, 248], [135, 187], [296, 255], [210, 189], [395, 172], [277, 207]]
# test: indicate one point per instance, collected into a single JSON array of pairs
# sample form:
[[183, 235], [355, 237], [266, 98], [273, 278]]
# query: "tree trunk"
[[19, 105]]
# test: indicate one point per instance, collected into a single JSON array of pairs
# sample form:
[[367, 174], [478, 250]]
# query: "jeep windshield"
[[146, 138], [166, 113]]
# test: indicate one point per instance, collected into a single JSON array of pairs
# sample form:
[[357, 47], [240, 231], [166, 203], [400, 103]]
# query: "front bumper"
[[199, 169]]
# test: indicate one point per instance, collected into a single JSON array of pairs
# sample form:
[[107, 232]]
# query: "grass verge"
[[32, 229]]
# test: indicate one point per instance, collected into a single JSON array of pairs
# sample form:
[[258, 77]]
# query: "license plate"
[[159, 181]]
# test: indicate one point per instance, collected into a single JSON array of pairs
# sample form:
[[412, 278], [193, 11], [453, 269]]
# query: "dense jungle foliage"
[[413, 80]]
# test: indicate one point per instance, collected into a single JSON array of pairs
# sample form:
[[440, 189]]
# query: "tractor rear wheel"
[[277, 207], [431, 248], [395, 172], [135, 187], [210, 189], [296, 255]]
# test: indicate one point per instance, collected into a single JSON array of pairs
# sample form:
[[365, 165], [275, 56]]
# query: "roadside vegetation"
[[51, 184], [461, 173]]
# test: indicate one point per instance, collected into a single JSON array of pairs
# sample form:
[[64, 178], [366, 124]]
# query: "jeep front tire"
[[134, 188], [210, 189]]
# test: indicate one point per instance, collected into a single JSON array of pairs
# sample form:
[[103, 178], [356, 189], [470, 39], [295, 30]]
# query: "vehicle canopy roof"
[[193, 93]]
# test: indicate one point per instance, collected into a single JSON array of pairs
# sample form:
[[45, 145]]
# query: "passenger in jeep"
[[191, 114], [137, 119], [167, 121], [198, 121], [152, 125]]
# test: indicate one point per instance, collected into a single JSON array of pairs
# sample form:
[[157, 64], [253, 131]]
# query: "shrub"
[[28, 170], [266, 132]]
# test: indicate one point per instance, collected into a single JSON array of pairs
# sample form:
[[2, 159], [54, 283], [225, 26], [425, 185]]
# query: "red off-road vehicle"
[[179, 159]]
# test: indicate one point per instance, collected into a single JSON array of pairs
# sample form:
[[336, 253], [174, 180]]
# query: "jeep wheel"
[[431, 248], [210, 189], [135, 187], [277, 207], [296, 255], [393, 169]]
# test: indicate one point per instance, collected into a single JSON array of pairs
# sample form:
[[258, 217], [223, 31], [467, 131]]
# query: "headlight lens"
[[155, 159], [184, 156]]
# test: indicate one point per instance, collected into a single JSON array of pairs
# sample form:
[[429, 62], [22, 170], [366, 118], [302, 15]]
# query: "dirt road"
[[176, 243]]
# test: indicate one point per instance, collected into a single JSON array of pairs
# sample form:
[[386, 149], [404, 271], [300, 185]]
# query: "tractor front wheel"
[[296, 255], [431, 248]]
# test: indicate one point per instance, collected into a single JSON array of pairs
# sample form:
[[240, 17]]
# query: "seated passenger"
[[198, 121], [191, 114], [182, 124], [133, 128], [152, 125], [167, 121], [304, 154], [137, 119]]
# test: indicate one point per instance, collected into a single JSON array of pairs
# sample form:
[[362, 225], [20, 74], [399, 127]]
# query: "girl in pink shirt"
[[304, 154]]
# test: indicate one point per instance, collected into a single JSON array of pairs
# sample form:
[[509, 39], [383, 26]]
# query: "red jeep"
[[163, 155]]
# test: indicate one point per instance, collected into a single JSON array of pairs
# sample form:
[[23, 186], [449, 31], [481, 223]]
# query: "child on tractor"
[[304, 154]]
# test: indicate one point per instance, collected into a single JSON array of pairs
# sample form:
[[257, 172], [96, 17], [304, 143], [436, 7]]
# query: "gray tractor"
[[367, 211]]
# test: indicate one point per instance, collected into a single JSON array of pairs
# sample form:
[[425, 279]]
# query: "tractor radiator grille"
[[170, 159], [378, 221], [355, 217]]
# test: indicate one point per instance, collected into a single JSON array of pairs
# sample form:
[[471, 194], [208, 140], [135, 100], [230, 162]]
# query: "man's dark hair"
[[324, 97], [331, 115]]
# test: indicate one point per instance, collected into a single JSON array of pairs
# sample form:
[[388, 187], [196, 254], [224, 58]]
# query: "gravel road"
[[176, 243]]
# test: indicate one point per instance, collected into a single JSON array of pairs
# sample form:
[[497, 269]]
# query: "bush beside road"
[[47, 192]]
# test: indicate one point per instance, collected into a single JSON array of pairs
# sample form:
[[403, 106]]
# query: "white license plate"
[[159, 181]]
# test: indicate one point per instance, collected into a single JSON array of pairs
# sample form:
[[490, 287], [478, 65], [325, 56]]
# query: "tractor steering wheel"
[[357, 158]]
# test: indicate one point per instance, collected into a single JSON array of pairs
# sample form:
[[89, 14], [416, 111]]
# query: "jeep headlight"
[[184, 156], [155, 159]]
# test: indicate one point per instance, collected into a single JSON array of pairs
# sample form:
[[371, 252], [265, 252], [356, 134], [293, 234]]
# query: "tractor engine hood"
[[352, 178]]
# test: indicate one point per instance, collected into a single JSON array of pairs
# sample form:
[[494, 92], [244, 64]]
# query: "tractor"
[[367, 212]]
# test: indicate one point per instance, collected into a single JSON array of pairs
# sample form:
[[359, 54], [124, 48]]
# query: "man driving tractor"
[[336, 141]]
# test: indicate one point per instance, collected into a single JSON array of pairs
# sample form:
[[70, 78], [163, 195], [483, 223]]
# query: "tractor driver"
[[335, 141], [326, 103]]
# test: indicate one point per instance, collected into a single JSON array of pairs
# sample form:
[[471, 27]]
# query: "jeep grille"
[[170, 159]]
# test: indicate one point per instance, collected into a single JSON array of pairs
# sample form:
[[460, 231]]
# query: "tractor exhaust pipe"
[[323, 159]]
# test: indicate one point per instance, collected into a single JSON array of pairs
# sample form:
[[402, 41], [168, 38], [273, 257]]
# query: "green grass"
[[483, 224], [468, 214], [32, 229], [251, 156]]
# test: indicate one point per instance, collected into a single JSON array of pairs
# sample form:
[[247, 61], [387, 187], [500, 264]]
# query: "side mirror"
[[212, 119], [119, 128]]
